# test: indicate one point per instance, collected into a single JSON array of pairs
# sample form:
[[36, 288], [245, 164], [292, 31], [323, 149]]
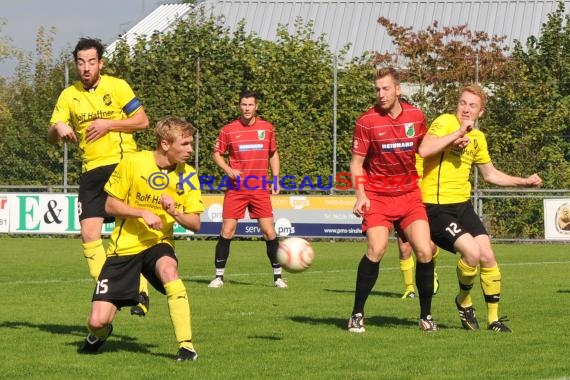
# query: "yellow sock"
[[407, 268], [466, 276], [179, 308], [143, 285], [95, 255], [435, 256], [491, 285]]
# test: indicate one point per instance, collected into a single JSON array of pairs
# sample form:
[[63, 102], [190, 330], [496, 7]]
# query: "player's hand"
[[65, 132], [534, 180], [152, 220], [461, 142], [168, 204], [275, 188], [467, 125], [97, 129], [361, 206], [233, 173]]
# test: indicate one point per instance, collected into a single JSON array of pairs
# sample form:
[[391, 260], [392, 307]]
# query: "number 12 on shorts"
[[453, 229]]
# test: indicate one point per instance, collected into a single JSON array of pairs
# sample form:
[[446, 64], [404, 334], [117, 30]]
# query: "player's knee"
[[95, 322], [424, 255], [269, 235], [168, 271], [471, 256], [227, 232], [375, 254]]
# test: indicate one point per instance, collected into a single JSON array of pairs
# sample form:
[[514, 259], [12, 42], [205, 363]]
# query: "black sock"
[[222, 253], [271, 249], [424, 282], [366, 277]]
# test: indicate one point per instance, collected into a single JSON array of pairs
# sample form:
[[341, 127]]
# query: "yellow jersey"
[[446, 175], [112, 99], [419, 167], [139, 182]]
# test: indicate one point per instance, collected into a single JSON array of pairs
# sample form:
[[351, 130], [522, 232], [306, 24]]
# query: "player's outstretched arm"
[[499, 178]]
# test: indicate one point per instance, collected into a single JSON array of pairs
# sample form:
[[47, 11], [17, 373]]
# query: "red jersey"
[[249, 148], [389, 146]]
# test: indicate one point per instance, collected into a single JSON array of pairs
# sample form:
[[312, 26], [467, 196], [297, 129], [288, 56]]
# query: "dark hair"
[[248, 94], [89, 43]]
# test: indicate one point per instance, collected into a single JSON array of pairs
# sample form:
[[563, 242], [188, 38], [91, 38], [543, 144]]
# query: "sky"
[[103, 19]]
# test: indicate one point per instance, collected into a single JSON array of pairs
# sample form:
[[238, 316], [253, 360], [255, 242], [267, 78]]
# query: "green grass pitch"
[[250, 330]]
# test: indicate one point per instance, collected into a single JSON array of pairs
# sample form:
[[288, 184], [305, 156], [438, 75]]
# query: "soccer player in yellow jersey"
[[450, 149], [101, 113], [148, 192]]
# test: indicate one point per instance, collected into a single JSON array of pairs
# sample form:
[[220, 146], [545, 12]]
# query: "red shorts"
[[257, 202], [387, 210]]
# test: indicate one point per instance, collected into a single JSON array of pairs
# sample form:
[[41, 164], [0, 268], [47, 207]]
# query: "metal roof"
[[159, 20], [356, 22]]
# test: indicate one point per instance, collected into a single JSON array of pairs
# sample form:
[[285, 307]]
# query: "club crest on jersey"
[[409, 129], [261, 135], [107, 99]]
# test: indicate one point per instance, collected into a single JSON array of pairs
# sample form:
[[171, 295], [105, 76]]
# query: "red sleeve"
[[360, 139], [222, 142], [272, 142]]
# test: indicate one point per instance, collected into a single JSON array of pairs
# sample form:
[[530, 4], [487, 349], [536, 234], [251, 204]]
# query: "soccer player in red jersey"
[[385, 140], [250, 143]]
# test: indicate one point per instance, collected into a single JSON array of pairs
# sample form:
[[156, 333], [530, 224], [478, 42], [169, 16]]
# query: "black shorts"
[[119, 280], [92, 195], [448, 222]]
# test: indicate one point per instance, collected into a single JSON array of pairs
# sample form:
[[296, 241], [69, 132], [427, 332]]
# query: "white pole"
[[335, 86]]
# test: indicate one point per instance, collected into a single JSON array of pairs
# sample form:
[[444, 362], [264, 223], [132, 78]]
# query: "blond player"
[[450, 149], [149, 191]]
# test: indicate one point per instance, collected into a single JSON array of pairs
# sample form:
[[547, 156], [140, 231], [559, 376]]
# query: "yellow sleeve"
[[119, 183], [193, 203], [126, 97], [61, 112], [482, 155], [443, 125]]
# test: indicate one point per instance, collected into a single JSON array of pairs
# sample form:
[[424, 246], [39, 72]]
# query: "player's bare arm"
[[433, 144], [221, 162], [100, 127], [189, 221], [116, 207], [61, 131], [499, 178], [275, 166], [362, 204]]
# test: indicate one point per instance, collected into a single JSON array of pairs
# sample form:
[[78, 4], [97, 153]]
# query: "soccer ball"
[[295, 254]]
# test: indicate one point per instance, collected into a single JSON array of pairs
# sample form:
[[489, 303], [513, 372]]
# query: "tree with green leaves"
[[528, 121]]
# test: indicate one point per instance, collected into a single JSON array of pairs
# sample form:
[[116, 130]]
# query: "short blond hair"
[[388, 71], [172, 127], [476, 90]]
